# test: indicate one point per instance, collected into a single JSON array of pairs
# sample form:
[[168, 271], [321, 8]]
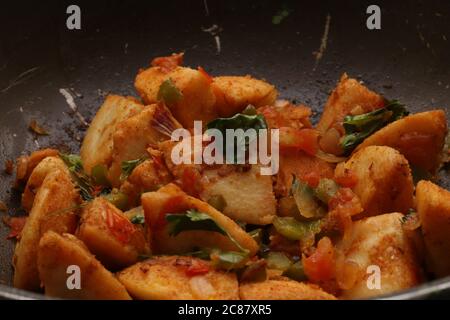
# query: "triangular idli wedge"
[[110, 235], [383, 180], [170, 199], [379, 257], [54, 208], [178, 278], [97, 146], [433, 207], [419, 137], [37, 176], [63, 258], [235, 93], [134, 135], [186, 92], [348, 98], [243, 195]]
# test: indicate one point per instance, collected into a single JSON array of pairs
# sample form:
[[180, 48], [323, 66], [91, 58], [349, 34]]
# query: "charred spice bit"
[[36, 128], [3, 206]]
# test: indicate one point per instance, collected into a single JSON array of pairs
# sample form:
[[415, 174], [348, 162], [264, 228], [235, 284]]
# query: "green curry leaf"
[[359, 127]]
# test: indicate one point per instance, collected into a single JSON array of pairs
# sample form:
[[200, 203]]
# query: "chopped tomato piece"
[[192, 267], [295, 139], [168, 63], [311, 178], [348, 180], [197, 268], [120, 227], [321, 265], [342, 207], [204, 73], [343, 197], [190, 181]]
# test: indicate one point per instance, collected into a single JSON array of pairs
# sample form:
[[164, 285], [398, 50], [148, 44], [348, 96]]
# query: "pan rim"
[[426, 290]]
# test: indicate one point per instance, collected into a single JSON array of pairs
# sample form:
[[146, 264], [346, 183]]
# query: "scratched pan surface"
[[407, 60]]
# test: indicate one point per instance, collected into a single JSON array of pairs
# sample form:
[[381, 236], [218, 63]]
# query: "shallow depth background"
[[407, 60]]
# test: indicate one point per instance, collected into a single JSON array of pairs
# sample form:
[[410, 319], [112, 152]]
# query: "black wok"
[[408, 59]]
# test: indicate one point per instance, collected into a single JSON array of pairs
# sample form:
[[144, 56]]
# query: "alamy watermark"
[[73, 21], [73, 281]]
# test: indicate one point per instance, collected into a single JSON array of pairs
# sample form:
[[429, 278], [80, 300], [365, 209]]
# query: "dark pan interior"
[[406, 60]]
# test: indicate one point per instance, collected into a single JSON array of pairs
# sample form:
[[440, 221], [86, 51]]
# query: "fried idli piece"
[[134, 135], [349, 97], [47, 165], [110, 235], [384, 180], [433, 207], [54, 208], [26, 164], [419, 137], [379, 246], [190, 96], [235, 93], [59, 255], [282, 290], [178, 278], [97, 146], [171, 199]]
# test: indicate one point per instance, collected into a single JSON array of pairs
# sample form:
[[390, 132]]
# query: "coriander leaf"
[[359, 127], [239, 121], [81, 179], [398, 110], [192, 220], [138, 219], [72, 161], [168, 92], [242, 141], [128, 167], [195, 220]]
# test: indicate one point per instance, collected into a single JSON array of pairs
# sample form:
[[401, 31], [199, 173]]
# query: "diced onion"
[[201, 287]]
